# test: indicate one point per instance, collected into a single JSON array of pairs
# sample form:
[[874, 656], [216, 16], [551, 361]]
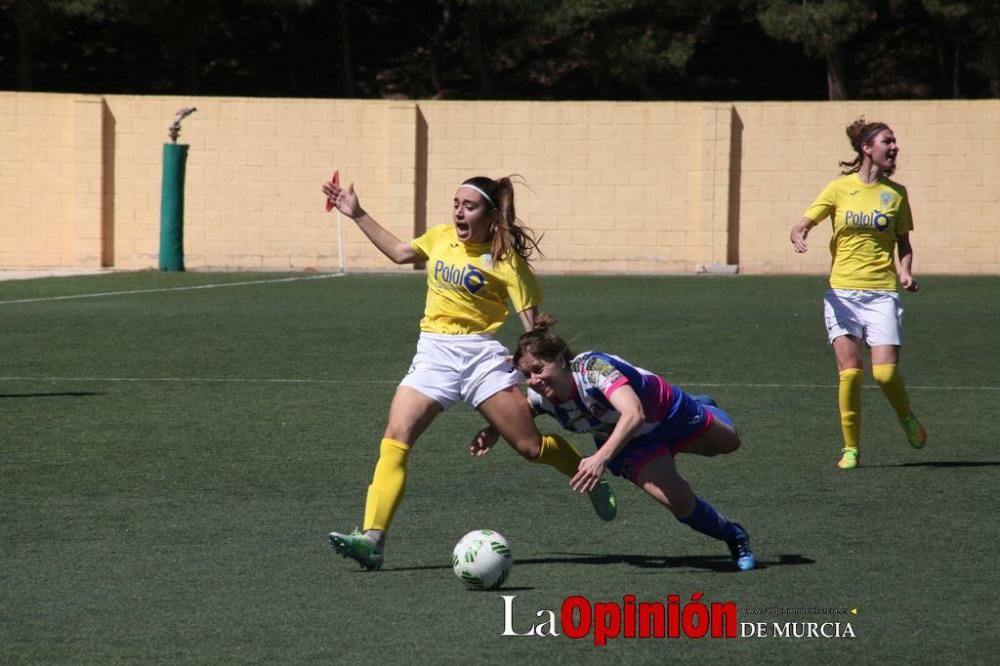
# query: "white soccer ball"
[[482, 559]]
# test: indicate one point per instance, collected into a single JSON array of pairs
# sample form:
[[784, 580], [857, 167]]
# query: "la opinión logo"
[[578, 618]]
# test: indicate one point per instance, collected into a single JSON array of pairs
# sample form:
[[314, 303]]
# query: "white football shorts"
[[449, 368], [873, 316]]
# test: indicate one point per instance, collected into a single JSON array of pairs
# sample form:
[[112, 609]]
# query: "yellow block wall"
[[252, 188], [37, 169], [607, 183], [614, 186]]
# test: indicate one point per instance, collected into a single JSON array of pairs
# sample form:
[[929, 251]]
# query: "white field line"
[[199, 380], [278, 380], [831, 386], [218, 285]]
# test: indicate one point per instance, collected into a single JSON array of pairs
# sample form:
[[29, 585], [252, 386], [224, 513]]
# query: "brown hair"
[[542, 343], [508, 234], [861, 133]]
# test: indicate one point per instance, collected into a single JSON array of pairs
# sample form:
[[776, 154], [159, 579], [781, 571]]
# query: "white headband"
[[872, 133], [485, 196]]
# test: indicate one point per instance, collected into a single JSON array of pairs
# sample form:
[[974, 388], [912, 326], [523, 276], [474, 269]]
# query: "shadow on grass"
[[60, 394], [708, 562], [944, 463]]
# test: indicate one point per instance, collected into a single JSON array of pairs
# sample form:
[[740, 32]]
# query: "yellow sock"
[[386, 490], [559, 453], [850, 406], [891, 383]]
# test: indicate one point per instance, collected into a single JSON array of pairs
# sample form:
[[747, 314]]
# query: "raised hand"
[[344, 200]]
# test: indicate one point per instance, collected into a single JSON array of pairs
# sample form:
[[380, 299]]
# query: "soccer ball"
[[482, 559]]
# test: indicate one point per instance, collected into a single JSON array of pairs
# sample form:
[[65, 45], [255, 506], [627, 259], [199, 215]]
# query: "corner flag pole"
[[340, 242]]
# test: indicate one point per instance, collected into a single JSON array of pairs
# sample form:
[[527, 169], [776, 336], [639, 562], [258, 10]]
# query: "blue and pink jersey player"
[[673, 417]]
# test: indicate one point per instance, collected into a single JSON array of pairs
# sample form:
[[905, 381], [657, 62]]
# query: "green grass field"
[[172, 459]]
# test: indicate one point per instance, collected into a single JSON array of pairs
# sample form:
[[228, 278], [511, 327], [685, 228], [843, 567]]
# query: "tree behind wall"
[[968, 29], [505, 49], [822, 28]]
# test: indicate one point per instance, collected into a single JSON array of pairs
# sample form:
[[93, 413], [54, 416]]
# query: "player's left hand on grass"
[[588, 474], [483, 441]]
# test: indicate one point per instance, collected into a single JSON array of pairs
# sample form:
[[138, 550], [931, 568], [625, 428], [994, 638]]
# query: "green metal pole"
[[172, 207]]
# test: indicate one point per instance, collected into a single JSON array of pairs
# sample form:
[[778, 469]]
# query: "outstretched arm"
[[627, 403], [346, 201]]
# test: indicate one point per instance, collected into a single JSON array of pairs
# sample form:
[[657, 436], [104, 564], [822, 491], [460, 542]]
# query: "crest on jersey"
[[885, 199], [487, 260]]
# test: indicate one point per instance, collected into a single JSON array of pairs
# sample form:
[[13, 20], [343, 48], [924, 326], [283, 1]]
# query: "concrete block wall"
[[603, 183], [660, 187], [38, 193], [252, 193]]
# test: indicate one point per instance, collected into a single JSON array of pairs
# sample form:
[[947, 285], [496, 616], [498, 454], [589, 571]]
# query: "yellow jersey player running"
[[871, 218], [474, 266]]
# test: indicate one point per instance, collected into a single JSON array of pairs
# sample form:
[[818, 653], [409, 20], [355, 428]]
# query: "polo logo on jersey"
[[469, 276], [876, 219]]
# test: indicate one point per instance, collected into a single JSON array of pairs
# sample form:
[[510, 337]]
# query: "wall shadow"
[[735, 176], [420, 184], [108, 133]]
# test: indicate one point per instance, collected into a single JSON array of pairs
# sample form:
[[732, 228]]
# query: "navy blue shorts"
[[687, 423]]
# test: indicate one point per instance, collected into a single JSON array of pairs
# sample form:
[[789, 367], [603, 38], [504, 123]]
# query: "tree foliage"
[[821, 28], [972, 26], [506, 49]]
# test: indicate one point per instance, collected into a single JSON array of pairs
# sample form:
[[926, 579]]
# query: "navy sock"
[[707, 520]]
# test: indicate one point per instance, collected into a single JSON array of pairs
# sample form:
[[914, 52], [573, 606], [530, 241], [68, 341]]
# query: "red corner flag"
[[336, 181]]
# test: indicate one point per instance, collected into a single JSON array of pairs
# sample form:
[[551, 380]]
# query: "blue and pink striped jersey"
[[597, 376]]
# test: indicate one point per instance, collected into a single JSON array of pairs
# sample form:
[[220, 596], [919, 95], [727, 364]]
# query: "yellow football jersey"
[[867, 219], [467, 292]]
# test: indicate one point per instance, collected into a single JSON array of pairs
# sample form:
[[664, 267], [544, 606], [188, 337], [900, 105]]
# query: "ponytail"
[[508, 233], [542, 343], [861, 133]]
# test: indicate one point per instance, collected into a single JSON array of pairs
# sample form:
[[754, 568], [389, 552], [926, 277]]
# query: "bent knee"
[[730, 444], [404, 435], [529, 448], [720, 443], [883, 374]]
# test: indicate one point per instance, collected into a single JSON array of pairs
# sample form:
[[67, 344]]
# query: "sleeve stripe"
[[617, 385]]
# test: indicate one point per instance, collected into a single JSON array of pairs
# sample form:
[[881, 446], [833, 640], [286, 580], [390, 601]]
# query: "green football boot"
[[358, 547], [849, 459], [604, 500], [915, 433]]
